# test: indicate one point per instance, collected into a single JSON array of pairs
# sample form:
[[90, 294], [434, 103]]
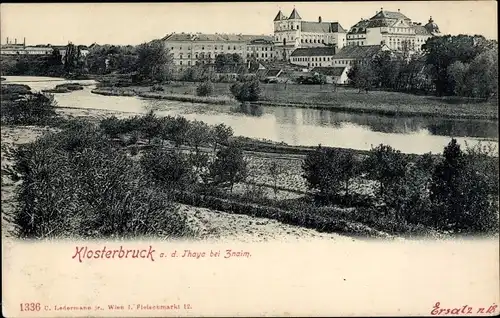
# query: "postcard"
[[250, 159]]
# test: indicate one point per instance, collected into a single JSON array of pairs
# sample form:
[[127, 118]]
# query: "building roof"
[[262, 40], [330, 71], [202, 37], [432, 27], [358, 52], [359, 27], [280, 16], [420, 30], [389, 15], [273, 72], [321, 27], [314, 51], [379, 23], [294, 15]]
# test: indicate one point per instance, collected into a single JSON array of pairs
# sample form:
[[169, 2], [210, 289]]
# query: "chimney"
[[15, 41], [24, 42], [319, 19], [7, 40]]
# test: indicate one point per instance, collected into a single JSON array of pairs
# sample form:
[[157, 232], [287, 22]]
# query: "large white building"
[[393, 29], [187, 48], [292, 32]]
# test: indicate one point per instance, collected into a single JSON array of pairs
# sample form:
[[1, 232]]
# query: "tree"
[[220, 135], [385, 165], [443, 51], [198, 133], [461, 194], [177, 129], [362, 76], [327, 171], [72, 58], [150, 126], [205, 89], [154, 61], [248, 91], [229, 167], [275, 171]]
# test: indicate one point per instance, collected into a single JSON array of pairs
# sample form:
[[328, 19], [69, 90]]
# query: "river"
[[294, 126]]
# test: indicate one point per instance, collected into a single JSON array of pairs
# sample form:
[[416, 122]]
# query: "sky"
[[135, 23]]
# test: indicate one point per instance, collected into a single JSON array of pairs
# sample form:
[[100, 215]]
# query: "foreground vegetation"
[[122, 177]]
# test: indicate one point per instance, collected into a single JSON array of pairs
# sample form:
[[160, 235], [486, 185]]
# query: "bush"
[[33, 109], [91, 191], [461, 194], [157, 88], [327, 171], [205, 89], [228, 168], [385, 165], [170, 169], [248, 91]]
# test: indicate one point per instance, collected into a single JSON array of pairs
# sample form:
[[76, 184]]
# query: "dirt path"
[[220, 226]]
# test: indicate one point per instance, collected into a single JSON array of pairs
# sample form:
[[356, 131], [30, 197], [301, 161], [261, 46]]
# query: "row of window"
[[358, 43], [263, 55], [306, 59], [283, 27], [229, 48]]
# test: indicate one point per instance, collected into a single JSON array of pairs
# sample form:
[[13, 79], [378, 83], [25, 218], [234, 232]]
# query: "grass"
[[343, 99]]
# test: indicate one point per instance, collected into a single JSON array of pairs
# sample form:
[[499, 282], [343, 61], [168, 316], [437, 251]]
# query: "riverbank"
[[324, 97], [217, 100]]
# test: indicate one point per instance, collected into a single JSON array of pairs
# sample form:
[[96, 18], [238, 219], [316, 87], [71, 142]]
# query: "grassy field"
[[341, 99]]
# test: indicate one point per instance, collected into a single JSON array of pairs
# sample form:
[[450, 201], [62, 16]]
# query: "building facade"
[[313, 57], [187, 49], [393, 29], [353, 54], [292, 32]]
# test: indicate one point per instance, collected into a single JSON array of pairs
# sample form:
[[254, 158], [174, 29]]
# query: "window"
[[203, 47], [234, 48], [180, 63], [215, 48], [297, 27], [180, 56], [189, 62]]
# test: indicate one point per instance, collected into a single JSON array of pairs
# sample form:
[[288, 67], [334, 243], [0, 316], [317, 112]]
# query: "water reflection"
[[248, 109], [296, 126]]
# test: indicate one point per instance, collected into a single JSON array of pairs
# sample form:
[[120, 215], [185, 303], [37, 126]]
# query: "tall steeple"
[[295, 15], [279, 16]]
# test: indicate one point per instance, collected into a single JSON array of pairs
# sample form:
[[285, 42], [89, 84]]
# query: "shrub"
[[228, 168], [220, 135], [33, 109], [90, 191], [327, 171], [112, 126], [385, 165], [157, 88], [461, 195], [170, 169], [248, 91], [205, 89]]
